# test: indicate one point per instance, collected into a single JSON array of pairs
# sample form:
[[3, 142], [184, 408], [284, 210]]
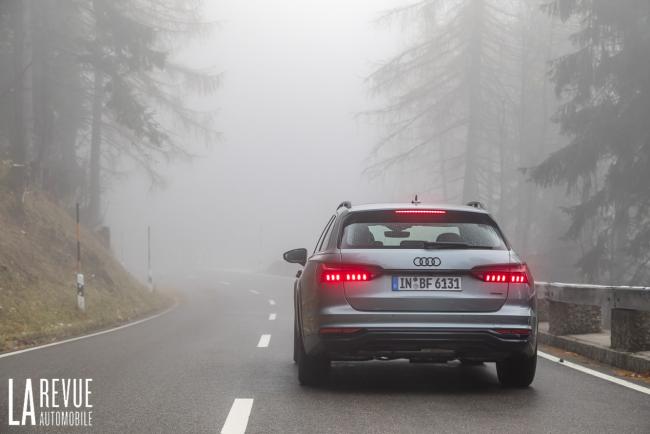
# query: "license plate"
[[426, 283]]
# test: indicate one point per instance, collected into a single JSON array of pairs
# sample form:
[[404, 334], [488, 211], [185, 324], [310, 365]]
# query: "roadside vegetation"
[[89, 90], [37, 278]]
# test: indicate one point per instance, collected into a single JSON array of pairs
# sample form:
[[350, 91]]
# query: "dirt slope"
[[37, 275]]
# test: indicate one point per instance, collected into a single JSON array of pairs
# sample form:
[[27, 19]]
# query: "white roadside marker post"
[[81, 298]]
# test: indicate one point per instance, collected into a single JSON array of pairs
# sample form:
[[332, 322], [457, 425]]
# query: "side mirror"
[[296, 256]]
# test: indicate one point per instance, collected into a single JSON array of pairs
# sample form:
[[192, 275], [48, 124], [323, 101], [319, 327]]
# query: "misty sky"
[[292, 148]]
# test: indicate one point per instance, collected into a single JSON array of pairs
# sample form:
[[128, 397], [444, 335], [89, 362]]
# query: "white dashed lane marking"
[[272, 316], [237, 419], [272, 302], [264, 341], [254, 292]]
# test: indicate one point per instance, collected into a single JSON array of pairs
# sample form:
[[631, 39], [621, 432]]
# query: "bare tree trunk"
[[523, 146], [94, 202], [502, 163], [503, 185], [619, 241], [41, 82], [530, 203], [18, 140], [489, 188], [441, 169], [470, 179], [66, 183]]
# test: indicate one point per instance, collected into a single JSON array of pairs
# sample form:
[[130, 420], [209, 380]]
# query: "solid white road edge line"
[[272, 316], [264, 341], [272, 302], [123, 326], [595, 373], [238, 415]]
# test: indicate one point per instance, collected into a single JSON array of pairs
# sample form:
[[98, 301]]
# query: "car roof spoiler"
[[345, 204]]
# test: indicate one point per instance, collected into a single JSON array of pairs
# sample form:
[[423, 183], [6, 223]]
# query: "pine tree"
[[89, 84], [135, 90], [606, 84], [16, 98], [447, 92], [58, 97]]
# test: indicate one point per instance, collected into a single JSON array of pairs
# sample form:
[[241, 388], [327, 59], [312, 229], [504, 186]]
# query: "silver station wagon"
[[423, 282]]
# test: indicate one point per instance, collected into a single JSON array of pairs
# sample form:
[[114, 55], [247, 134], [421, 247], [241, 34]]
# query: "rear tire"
[[296, 342], [312, 370], [517, 371]]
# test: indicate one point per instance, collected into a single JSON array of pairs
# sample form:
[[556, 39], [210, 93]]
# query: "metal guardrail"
[[580, 308], [614, 297]]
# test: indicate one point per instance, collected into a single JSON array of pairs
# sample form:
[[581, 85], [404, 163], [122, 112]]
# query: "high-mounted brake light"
[[420, 211], [336, 273], [508, 273]]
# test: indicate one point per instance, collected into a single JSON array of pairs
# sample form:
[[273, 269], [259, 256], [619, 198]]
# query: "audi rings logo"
[[427, 262]]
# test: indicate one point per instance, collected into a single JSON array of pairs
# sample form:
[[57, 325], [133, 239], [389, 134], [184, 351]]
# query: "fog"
[[287, 107], [168, 167], [293, 146]]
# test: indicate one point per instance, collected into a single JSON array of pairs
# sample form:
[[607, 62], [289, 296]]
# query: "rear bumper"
[[417, 335], [423, 336], [418, 344]]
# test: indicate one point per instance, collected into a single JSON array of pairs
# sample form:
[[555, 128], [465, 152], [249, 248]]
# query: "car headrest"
[[449, 237], [361, 237]]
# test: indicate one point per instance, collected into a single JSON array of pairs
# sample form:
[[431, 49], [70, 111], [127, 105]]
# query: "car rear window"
[[390, 230]]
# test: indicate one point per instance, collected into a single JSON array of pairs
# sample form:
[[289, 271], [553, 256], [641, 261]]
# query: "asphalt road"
[[182, 372]]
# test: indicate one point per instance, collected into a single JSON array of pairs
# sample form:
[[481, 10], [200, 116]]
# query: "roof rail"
[[475, 204], [346, 203]]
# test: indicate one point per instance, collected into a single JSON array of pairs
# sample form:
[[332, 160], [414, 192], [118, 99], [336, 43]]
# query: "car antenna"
[[415, 201], [475, 204]]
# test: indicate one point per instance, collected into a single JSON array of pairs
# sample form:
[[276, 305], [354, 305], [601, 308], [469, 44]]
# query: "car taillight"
[[515, 332], [509, 273], [336, 273]]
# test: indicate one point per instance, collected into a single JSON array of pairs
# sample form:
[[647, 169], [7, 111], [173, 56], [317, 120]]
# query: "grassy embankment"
[[37, 278]]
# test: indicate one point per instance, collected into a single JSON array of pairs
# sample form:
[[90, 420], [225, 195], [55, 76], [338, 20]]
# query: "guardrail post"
[[572, 319], [631, 319], [630, 330]]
